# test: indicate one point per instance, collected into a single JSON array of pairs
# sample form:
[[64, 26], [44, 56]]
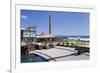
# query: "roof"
[[32, 30], [44, 36]]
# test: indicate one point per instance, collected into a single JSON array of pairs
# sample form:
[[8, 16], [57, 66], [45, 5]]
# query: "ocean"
[[86, 38]]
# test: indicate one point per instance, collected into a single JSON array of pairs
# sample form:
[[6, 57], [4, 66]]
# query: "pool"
[[32, 58]]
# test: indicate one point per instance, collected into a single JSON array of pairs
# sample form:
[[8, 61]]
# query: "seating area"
[[66, 44]]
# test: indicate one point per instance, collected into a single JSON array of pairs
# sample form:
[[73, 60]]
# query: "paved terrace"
[[60, 54]]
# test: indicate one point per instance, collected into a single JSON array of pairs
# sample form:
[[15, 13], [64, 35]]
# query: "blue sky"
[[63, 23]]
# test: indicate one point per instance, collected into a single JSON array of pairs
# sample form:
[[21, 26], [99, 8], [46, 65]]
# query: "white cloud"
[[23, 17]]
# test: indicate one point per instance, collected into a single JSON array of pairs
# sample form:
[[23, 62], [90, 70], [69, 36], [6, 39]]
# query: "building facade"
[[28, 34]]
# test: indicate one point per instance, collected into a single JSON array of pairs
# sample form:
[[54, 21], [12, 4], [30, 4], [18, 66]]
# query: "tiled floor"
[[60, 54]]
